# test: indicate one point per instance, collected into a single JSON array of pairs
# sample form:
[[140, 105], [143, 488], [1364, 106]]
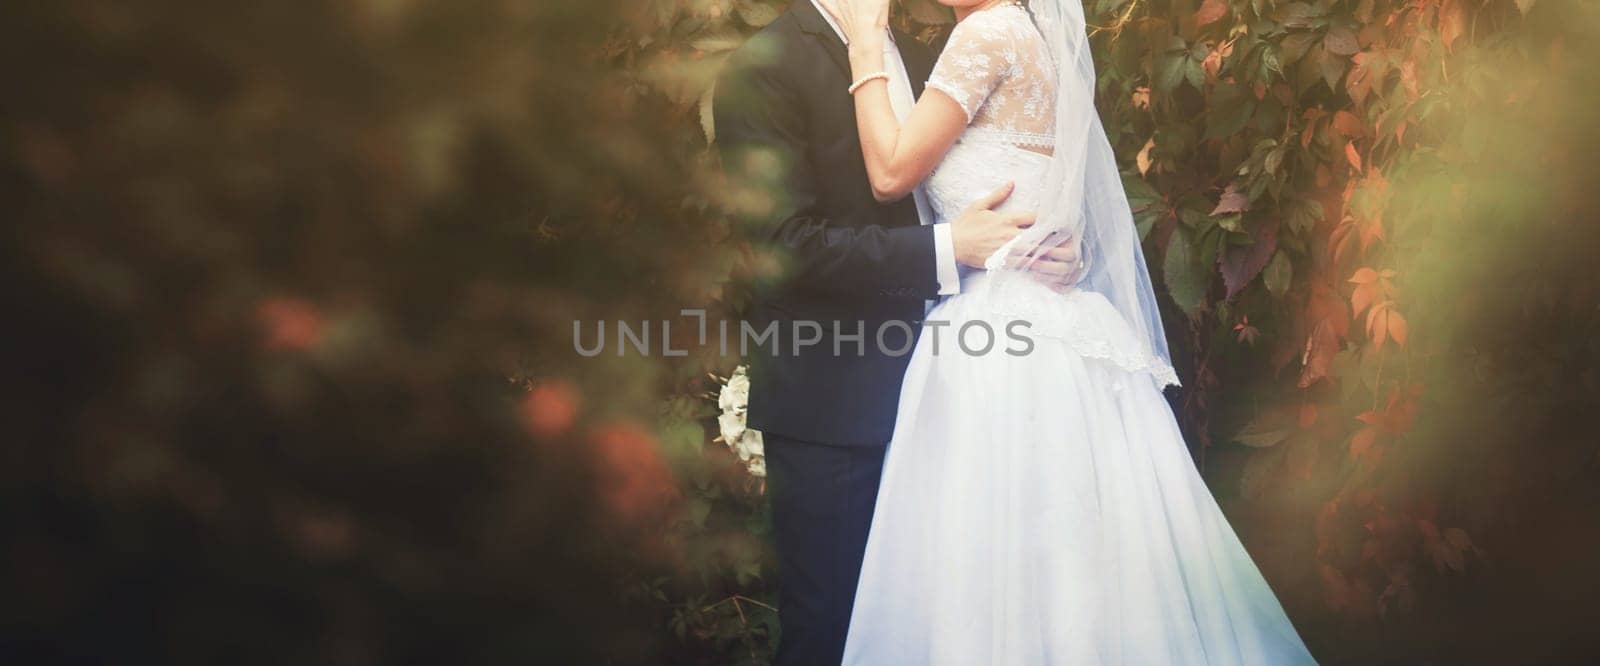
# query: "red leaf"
[[1241, 264], [1408, 80], [1210, 12], [1362, 298], [550, 408], [1232, 201], [1351, 154], [1378, 324], [1397, 327], [1452, 22], [1359, 82], [290, 323], [1348, 124], [1362, 442], [634, 479]]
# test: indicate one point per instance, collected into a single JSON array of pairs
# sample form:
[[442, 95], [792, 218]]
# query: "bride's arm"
[[897, 157], [976, 59]]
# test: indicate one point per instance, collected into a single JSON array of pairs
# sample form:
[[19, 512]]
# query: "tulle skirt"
[[1043, 509]]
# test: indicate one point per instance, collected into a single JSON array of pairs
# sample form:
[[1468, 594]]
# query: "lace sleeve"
[[976, 59]]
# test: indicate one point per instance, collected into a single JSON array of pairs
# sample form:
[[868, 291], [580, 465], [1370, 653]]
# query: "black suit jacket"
[[785, 125]]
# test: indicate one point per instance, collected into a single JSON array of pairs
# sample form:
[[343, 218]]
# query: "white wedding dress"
[[1043, 508]]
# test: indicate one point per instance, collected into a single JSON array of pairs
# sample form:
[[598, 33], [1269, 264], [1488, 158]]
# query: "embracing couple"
[[946, 507]]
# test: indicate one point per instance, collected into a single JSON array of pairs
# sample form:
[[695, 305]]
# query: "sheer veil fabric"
[[1082, 195]]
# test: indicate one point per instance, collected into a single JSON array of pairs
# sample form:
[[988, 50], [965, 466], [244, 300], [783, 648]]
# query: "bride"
[[1038, 508]]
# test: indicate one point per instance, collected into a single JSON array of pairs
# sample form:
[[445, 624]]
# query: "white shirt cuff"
[[944, 258]]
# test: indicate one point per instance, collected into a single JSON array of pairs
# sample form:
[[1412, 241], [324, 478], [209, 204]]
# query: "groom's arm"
[[761, 134]]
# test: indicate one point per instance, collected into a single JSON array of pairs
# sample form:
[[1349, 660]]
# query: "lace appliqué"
[[997, 68]]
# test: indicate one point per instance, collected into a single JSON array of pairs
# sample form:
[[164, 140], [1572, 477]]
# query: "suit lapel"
[[918, 59], [812, 23]]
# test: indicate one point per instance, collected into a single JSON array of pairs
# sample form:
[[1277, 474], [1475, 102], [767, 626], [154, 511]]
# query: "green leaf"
[[746, 572], [1170, 72], [718, 43], [1303, 215], [1185, 277], [1269, 64], [1301, 15], [1277, 275], [1213, 240], [1264, 432], [1194, 74], [1145, 220], [696, 511], [1341, 40], [682, 441], [707, 123], [1139, 192], [1294, 47], [1333, 67], [757, 13], [1229, 110], [1147, 204], [1259, 472]]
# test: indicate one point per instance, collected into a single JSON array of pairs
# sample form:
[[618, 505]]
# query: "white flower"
[[733, 400], [753, 443], [732, 427], [735, 394], [749, 445]]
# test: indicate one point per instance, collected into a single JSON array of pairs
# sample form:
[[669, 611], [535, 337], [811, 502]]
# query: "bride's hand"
[[863, 22], [1059, 267]]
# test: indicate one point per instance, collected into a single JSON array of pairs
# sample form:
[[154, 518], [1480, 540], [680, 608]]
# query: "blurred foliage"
[[291, 291], [1374, 220], [269, 267]]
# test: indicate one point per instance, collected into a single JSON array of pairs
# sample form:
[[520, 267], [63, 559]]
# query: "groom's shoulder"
[[764, 51]]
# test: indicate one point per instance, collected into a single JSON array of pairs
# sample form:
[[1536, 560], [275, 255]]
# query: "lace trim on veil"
[[1099, 348], [1082, 320]]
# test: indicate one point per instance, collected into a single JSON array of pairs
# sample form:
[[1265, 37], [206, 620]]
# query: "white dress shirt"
[[901, 100]]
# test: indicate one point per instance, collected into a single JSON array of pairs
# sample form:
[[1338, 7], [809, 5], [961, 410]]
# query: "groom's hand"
[[980, 231], [1059, 265]]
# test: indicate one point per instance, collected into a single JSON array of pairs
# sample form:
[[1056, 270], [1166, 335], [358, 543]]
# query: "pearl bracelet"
[[867, 79]]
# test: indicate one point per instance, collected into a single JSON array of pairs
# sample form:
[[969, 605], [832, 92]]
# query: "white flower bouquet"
[[734, 399]]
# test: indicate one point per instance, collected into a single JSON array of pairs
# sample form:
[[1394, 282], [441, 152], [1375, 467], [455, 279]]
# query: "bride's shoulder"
[[994, 26]]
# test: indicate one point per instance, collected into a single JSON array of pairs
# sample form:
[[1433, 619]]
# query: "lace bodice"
[[997, 67]]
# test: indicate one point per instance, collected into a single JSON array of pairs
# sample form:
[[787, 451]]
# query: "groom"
[[825, 389]]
